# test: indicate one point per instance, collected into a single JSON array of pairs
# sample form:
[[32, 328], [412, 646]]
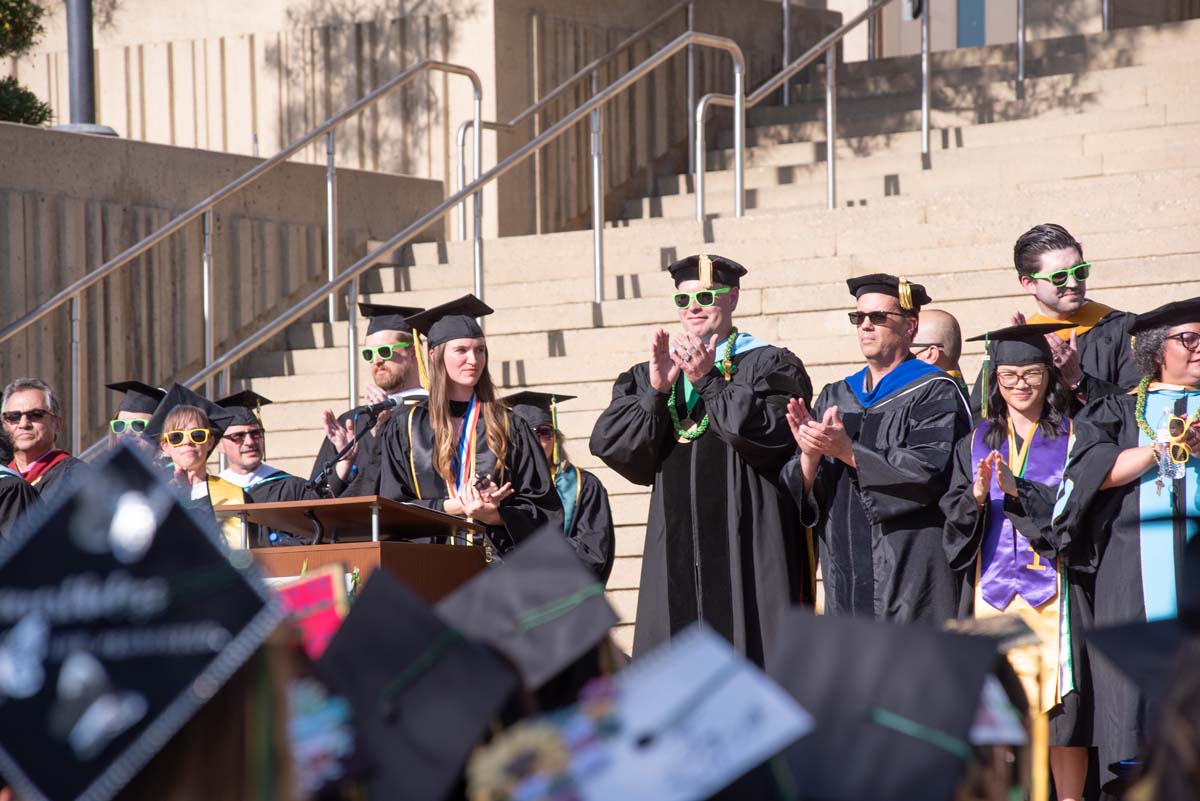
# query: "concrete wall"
[[70, 202]]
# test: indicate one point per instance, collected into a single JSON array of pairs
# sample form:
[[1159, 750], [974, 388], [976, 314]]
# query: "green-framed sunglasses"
[[1079, 272], [123, 426], [702, 297], [384, 351]]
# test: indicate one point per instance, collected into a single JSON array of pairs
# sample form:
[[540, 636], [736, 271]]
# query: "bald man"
[[939, 342]]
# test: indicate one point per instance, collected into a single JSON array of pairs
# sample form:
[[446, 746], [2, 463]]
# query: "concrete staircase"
[[1103, 138]]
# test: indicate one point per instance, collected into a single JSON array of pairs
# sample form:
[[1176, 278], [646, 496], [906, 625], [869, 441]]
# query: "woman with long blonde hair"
[[461, 451]]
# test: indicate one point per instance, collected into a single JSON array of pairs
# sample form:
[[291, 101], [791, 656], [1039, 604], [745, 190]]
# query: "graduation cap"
[[123, 616], [383, 317], [536, 408], [894, 705], [540, 608], [140, 398], [1167, 315], [708, 270], [219, 417], [1020, 344], [453, 320], [245, 408], [422, 694], [911, 296]]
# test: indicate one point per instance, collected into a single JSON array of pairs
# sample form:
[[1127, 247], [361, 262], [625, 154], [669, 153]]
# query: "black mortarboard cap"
[[387, 318], [1020, 344], [911, 296], [244, 406], [139, 397], [718, 270], [541, 608], [893, 705], [1167, 315], [453, 320], [534, 407], [422, 694], [178, 395]]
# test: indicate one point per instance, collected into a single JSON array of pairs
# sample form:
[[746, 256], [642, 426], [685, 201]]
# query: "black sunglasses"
[[34, 415], [544, 430], [876, 317]]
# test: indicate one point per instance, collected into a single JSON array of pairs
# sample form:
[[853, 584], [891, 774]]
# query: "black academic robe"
[[407, 446], [723, 540], [879, 525], [364, 476], [1030, 513], [591, 528], [16, 496], [1108, 536], [61, 478], [275, 488]]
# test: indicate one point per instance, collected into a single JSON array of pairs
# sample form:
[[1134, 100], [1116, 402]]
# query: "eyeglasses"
[[1079, 272], [544, 431], [1177, 430], [1189, 339], [178, 437], [703, 297], [1032, 378], [384, 351], [921, 347], [34, 415], [876, 317], [131, 426], [242, 436]]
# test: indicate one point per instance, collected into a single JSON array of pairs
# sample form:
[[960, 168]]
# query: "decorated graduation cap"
[[1167, 315], [387, 318], [911, 296], [1020, 344], [423, 695], [540, 608], [123, 616], [453, 320], [219, 417], [877, 737], [245, 408], [138, 397], [709, 270]]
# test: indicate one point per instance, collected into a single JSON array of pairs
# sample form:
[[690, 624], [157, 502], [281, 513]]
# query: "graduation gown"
[[1030, 514], [60, 477], [1131, 539], [587, 518], [406, 473], [15, 497], [364, 475], [274, 487], [879, 525], [723, 540]]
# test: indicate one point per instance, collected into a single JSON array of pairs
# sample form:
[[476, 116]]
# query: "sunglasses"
[[383, 351], [1189, 339], [197, 435], [1177, 430], [1058, 278], [242, 436], [703, 298], [34, 415], [876, 317], [544, 431], [130, 426], [1033, 379]]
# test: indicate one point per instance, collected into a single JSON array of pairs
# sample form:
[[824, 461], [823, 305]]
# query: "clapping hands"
[[825, 438], [993, 466]]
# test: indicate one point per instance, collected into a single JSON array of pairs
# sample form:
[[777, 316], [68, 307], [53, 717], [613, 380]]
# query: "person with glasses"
[[138, 402], [998, 537], [587, 516], [16, 495], [390, 352], [1132, 480], [875, 458], [939, 342], [702, 422], [33, 419]]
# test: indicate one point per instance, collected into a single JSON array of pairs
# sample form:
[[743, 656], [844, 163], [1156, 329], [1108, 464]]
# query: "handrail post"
[[831, 126], [925, 78], [699, 158], [331, 253], [462, 178], [352, 341], [691, 88], [597, 199], [1105, 16], [76, 393], [739, 140], [477, 198], [1020, 41], [787, 46], [206, 278]]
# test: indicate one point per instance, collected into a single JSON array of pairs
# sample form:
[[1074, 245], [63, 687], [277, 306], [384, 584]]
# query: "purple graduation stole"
[[1009, 566]]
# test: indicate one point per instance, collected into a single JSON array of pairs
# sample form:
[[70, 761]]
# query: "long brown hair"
[[495, 417]]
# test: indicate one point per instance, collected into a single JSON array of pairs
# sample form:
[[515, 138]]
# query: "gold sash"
[[221, 492], [1083, 320]]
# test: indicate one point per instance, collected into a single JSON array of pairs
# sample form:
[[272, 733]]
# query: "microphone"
[[375, 408]]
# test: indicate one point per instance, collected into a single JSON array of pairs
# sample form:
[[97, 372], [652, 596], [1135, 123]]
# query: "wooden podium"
[[369, 534]]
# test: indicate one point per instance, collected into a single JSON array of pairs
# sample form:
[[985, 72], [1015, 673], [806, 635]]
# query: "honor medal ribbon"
[[465, 461]]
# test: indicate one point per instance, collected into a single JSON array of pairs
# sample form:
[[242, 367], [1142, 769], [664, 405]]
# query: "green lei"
[[727, 368]]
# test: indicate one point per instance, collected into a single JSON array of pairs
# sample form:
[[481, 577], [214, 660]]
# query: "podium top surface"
[[397, 520]]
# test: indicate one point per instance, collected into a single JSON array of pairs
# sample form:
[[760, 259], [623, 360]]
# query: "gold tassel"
[[422, 371], [554, 424], [706, 271], [906, 299]]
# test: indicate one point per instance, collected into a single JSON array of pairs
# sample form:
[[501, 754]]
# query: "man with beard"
[[390, 348]]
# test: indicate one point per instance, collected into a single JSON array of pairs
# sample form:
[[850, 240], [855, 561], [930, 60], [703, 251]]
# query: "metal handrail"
[[205, 208], [351, 273], [824, 47]]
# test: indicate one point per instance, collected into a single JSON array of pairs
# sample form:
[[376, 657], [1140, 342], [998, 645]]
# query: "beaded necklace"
[[692, 431]]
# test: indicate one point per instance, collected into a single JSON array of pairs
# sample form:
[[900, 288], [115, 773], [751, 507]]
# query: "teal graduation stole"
[[745, 342], [568, 483]]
